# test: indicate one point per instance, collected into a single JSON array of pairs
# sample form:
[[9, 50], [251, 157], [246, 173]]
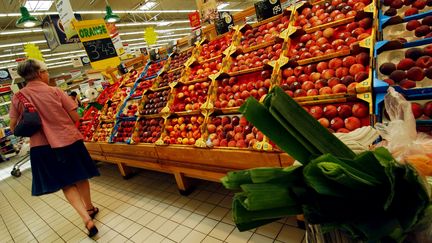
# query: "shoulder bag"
[[30, 121]]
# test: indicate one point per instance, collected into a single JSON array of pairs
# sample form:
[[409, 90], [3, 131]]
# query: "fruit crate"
[[416, 29], [177, 60], [331, 42], [103, 132], [408, 69], [200, 71], [130, 78], [189, 98], [129, 108], [390, 9], [183, 130], [211, 49], [110, 110], [243, 63], [123, 130], [107, 93], [337, 77], [341, 117], [264, 33], [312, 17], [121, 93], [153, 69], [87, 128], [235, 132], [154, 102], [229, 93], [169, 78], [147, 130]]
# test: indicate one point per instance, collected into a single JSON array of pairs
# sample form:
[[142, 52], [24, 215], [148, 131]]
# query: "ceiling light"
[[148, 5], [222, 5], [154, 23], [38, 5], [26, 20], [110, 17]]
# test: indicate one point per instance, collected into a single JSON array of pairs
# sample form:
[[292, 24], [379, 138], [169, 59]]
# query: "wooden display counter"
[[184, 161]]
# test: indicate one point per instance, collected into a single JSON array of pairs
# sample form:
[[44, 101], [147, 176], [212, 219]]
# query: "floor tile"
[[141, 235], [179, 233], [194, 237], [167, 227], [270, 230], [206, 225], [193, 220], [221, 231], [290, 234], [154, 238], [239, 237], [257, 238], [210, 239]]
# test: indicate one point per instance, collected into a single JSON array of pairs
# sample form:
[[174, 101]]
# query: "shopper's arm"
[[12, 124], [74, 115]]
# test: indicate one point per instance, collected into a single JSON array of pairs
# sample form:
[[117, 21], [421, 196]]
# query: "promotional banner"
[[67, 17], [97, 43], [55, 33], [194, 20], [4, 75], [208, 10], [115, 37]]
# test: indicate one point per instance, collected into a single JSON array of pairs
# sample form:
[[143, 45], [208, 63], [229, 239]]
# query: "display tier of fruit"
[[154, 68], [327, 12], [341, 117], [232, 92], [131, 77], [415, 29], [334, 76], [190, 97], [264, 33], [408, 68], [215, 47], [110, 110], [330, 40], [256, 59], [203, 70], [103, 132], [184, 130], [124, 131], [121, 93], [146, 84], [148, 130], [232, 131], [170, 77], [107, 93], [178, 60], [405, 7], [130, 108], [154, 102]]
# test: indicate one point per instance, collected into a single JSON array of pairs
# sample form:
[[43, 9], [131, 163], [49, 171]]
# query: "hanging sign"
[[97, 43], [32, 51], [267, 8], [194, 20], [208, 8], [5, 75], [150, 36], [67, 17], [224, 23], [115, 37]]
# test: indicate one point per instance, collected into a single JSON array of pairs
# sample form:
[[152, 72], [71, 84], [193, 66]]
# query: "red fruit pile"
[[124, 131], [330, 40], [421, 28], [233, 131], [416, 66], [170, 77], [341, 117], [264, 33], [154, 68], [149, 130], [102, 134], [257, 58], [422, 111], [179, 59], [122, 93], [328, 12], [338, 75], [87, 128], [411, 6], [215, 47], [190, 97], [155, 102], [183, 130], [131, 77], [206, 69], [232, 92], [131, 108], [111, 110]]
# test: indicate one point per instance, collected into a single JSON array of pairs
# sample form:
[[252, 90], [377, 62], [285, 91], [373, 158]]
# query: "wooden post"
[[126, 171], [183, 184]]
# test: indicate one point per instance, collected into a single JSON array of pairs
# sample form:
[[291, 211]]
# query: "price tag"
[[267, 8], [100, 49]]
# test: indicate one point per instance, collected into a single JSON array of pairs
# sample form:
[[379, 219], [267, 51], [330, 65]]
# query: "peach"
[[343, 130], [328, 73], [339, 88], [322, 66], [330, 111], [349, 61], [415, 74], [312, 92], [397, 4], [335, 63], [398, 75], [352, 123], [356, 68], [324, 122], [419, 4], [406, 64], [411, 11], [308, 85], [412, 25], [316, 112], [361, 76], [325, 91], [344, 111], [342, 72], [320, 83], [360, 110], [424, 62], [366, 23], [333, 81], [407, 84], [336, 123], [328, 32], [362, 58]]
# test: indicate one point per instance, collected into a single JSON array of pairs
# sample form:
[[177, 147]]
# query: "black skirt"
[[53, 169]]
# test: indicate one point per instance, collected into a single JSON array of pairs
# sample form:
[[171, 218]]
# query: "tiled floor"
[[146, 208]]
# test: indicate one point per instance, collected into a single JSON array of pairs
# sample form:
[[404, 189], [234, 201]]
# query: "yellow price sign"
[[150, 36]]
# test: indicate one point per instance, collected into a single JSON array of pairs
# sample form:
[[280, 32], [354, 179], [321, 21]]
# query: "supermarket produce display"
[[336, 59]]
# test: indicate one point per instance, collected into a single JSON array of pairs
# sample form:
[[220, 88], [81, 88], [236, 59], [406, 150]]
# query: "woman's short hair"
[[29, 69]]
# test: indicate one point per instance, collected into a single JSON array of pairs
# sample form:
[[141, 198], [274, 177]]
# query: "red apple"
[[352, 123]]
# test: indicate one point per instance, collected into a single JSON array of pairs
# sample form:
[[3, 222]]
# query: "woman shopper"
[[59, 159]]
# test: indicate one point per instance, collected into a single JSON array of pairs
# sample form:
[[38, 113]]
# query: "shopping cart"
[[23, 156]]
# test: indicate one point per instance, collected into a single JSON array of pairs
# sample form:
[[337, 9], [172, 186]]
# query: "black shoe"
[[92, 212]]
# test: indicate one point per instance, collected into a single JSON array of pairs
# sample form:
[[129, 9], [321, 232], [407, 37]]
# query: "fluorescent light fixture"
[[22, 43], [153, 23], [38, 5], [222, 5], [148, 5], [26, 31], [164, 24], [16, 32]]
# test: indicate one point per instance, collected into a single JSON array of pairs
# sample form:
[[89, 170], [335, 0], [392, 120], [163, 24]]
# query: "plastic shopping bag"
[[401, 137]]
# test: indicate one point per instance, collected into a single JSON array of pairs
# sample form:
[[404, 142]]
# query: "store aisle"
[[146, 208]]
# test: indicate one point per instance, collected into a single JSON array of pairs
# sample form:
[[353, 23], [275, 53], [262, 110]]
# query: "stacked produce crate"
[[404, 58]]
